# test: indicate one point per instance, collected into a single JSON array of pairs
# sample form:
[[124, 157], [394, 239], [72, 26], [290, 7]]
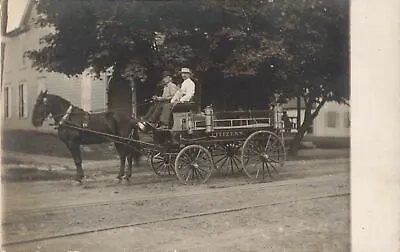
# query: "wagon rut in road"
[[42, 196], [83, 218]]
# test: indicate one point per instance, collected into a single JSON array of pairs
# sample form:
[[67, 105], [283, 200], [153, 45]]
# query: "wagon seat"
[[181, 111]]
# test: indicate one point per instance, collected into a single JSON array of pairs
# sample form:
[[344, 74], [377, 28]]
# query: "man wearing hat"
[[169, 91], [184, 94]]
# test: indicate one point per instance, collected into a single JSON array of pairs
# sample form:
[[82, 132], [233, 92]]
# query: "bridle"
[[65, 115]]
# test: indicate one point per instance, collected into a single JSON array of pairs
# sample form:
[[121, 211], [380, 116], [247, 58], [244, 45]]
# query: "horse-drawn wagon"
[[198, 143], [191, 147]]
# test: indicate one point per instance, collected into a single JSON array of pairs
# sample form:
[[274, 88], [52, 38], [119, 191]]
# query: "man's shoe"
[[142, 126], [162, 127], [152, 125]]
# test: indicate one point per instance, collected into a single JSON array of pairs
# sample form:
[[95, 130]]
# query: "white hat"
[[185, 70]]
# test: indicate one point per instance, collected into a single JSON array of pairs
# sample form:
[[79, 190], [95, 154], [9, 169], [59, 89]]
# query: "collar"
[[66, 116]]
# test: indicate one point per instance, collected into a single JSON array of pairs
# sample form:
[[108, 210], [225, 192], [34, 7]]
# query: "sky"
[[15, 11]]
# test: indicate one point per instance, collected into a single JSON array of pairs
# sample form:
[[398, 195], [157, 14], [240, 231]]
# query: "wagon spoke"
[[236, 164], [273, 166], [258, 171], [188, 159], [202, 173], [269, 171], [198, 154], [188, 174], [223, 163], [224, 157], [266, 146], [256, 148], [202, 170], [274, 160], [195, 174]]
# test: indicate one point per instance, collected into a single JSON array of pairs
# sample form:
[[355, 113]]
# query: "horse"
[[77, 127]]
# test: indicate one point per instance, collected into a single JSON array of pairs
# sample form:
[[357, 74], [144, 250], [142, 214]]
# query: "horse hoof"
[[117, 180], [77, 182], [126, 177]]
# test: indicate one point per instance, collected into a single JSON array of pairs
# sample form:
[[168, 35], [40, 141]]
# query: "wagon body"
[[197, 143]]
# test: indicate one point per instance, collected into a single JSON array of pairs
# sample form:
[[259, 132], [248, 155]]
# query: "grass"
[[32, 142]]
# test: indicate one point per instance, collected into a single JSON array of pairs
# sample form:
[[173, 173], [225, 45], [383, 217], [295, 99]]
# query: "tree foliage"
[[295, 47]]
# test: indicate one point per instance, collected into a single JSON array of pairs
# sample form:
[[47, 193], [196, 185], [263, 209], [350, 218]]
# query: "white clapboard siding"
[[99, 95], [86, 92], [41, 84]]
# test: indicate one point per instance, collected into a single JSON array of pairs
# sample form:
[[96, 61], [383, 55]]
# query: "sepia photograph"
[[207, 125]]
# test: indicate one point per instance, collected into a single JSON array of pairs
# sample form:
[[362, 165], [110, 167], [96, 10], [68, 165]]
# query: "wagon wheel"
[[163, 163], [263, 153], [226, 157], [193, 165]]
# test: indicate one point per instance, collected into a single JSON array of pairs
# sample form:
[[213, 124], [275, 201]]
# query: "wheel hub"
[[231, 150], [195, 166], [264, 156]]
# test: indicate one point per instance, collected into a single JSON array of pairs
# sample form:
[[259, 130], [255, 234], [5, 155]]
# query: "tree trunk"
[[298, 124], [295, 143], [134, 99], [308, 120]]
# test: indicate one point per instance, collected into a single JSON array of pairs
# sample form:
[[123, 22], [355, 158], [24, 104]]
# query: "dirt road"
[[306, 208]]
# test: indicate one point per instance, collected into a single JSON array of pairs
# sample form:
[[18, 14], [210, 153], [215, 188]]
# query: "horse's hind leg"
[[74, 148], [134, 155], [128, 174]]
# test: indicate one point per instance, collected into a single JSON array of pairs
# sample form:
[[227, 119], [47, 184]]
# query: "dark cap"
[[166, 73]]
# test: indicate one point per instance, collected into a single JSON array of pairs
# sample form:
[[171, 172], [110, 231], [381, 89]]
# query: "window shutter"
[[331, 118], [6, 97], [25, 97]]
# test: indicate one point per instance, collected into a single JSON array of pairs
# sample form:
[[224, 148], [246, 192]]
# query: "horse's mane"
[[65, 101]]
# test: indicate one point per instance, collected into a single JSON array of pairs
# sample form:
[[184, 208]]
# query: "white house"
[[333, 119], [22, 83]]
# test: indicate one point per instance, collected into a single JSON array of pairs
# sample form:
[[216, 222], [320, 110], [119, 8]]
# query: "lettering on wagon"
[[227, 133]]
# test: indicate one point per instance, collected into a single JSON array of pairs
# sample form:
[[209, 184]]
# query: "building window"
[[347, 120], [22, 101], [7, 102], [331, 119]]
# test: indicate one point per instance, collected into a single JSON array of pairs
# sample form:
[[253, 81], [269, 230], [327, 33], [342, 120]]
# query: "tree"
[[293, 47], [317, 64]]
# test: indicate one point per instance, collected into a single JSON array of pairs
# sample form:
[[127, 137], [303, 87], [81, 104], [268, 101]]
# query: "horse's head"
[[40, 110]]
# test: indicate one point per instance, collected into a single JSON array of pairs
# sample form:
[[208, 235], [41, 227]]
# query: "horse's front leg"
[[74, 148], [122, 157], [128, 174]]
